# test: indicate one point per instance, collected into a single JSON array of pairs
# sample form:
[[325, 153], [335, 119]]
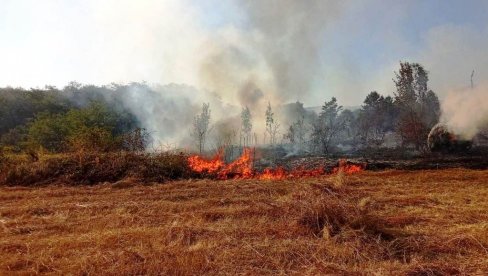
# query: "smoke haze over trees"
[[240, 53], [138, 116]]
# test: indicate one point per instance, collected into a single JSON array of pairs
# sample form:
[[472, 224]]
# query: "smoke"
[[292, 32], [252, 52], [273, 58], [165, 111], [249, 94], [277, 53], [450, 55], [465, 112]]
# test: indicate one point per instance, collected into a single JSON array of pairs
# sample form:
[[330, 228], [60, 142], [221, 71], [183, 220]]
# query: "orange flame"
[[239, 168], [200, 165], [242, 168], [347, 168], [276, 174]]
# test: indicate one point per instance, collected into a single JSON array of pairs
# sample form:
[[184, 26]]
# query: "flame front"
[[242, 168], [200, 165]]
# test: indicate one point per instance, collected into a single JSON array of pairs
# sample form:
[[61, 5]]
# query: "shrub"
[[91, 168]]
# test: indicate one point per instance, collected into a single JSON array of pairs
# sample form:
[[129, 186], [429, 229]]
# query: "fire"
[[273, 174], [200, 165], [242, 168], [347, 168]]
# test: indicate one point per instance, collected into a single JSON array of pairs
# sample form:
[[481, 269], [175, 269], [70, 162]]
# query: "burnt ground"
[[476, 158]]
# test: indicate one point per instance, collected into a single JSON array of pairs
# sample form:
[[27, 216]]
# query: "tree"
[[136, 140], [15, 139], [201, 127], [327, 126], [272, 126], [376, 119], [298, 130], [246, 127], [83, 110], [88, 129], [431, 109], [48, 131], [225, 138], [92, 139], [349, 133], [417, 105]]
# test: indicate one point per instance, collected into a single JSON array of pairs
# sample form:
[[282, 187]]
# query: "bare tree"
[[272, 127], [246, 127], [201, 127]]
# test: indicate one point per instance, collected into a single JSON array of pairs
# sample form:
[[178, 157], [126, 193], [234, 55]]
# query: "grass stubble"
[[390, 222]]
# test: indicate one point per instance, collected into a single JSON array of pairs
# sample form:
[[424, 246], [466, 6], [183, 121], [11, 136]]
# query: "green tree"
[[92, 128], [89, 129], [48, 131]]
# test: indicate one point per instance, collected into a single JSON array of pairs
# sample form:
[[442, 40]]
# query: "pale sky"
[[53, 42]]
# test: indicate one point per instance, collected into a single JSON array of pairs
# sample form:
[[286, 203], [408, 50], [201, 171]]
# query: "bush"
[[94, 128], [90, 168]]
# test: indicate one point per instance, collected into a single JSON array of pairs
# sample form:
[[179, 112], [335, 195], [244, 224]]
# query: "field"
[[391, 222]]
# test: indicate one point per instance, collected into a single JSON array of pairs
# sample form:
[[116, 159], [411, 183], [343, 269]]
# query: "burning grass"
[[96, 168], [243, 168], [391, 222]]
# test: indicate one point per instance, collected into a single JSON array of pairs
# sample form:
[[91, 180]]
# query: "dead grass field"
[[391, 222]]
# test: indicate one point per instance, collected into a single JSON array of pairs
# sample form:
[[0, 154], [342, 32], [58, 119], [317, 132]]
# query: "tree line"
[[75, 118], [404, 118], [94, 118]]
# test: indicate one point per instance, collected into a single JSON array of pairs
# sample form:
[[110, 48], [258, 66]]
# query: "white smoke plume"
[[465, 111]]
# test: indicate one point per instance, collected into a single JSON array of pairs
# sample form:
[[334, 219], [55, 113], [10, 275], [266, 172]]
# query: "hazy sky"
[[361, 42]]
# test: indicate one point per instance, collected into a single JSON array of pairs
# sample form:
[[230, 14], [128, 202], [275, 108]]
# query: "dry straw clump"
[[340, 178]]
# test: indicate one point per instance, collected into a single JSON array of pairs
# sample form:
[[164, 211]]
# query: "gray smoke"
[[274, 58], [249, 94], [292, 33]]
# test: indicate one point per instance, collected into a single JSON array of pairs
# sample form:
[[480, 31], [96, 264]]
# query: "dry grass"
[[392, 222], [92, 168]]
